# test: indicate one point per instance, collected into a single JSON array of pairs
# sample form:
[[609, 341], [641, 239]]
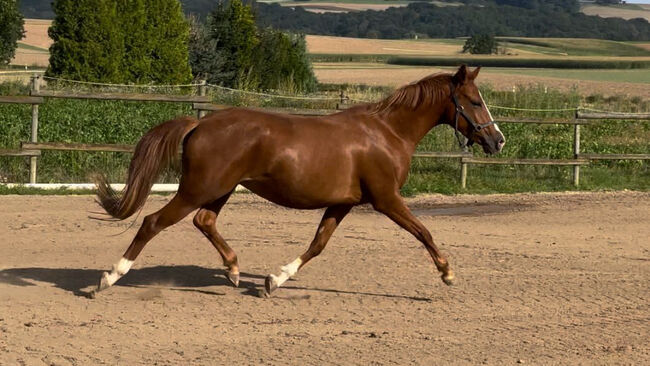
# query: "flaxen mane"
[[423, 93]]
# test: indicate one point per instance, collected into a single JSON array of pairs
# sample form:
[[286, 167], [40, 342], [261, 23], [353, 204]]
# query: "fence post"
[[343, 101], [202, 92], [36, 86], [576, 153], [463, 171]]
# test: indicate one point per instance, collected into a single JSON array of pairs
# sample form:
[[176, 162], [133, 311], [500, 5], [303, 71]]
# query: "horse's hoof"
[[269, 285], [448, 278], [103, 283], [92, 294], [233, 278]]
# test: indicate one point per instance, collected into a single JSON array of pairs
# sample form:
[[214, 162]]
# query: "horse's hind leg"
[[206, 221], [172, 213], [393, 206], [331, 219]]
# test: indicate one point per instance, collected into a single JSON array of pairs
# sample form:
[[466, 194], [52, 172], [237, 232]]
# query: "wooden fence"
[[201, 103]]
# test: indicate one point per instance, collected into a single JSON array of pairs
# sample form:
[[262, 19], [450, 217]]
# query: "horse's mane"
[[424, 92]]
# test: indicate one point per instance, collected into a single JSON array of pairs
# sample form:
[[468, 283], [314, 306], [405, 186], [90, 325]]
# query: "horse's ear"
[[475, 72], [461, 76]]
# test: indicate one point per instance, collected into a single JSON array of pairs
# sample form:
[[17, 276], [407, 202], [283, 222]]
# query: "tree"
[[481, 44], [87, 41], [232, 26], [169, 32], [203, 55], [229, 50], [282, 62], [11, 29], [137, 41]]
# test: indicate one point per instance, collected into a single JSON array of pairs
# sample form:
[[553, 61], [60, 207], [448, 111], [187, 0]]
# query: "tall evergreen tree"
[[169, 32], [11, 29], [136, 41], [282, 62], [136, 62], [231, 51], [205, 60], [232, 25], [87, 42]]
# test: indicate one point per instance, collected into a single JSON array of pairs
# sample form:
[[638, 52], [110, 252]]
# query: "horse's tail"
[[155, 151]]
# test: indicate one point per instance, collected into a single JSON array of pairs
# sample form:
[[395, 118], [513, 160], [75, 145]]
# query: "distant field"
[[627, 11], [574, 46], [33, 48], [36, 33], [625, 76], [344, 45], [587, 82], [514, 46], [345, 6]]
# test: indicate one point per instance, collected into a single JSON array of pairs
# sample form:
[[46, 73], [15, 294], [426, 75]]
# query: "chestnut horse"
[[360, 155]]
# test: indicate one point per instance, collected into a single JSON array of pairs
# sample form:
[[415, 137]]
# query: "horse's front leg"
[[393, 206], [331, 219]]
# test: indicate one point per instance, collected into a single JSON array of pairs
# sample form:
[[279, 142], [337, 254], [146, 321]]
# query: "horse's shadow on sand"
[[81, 281], [191, 278]]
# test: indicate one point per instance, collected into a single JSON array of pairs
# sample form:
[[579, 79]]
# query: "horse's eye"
[[476, 104]]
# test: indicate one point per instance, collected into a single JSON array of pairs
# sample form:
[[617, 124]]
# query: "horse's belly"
[[290, 194]]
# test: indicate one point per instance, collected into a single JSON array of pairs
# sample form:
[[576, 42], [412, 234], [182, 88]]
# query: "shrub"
[[481, 44]]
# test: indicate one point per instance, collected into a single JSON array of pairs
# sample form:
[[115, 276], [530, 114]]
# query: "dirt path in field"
[[541, 279]]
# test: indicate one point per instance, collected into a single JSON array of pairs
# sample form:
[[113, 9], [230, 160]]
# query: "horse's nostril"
[[500, 142]]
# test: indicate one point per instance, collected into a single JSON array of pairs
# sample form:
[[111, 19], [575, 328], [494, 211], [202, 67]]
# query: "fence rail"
[[61, 146], [21, 100], [611, 115], [497, 161], [121, 96], [201, 103]]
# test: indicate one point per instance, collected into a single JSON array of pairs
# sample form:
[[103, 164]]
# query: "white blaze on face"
[[496, 127], [287, 271], [119, 270]]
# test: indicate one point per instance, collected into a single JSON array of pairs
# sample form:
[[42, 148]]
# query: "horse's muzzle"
[[494, 144]]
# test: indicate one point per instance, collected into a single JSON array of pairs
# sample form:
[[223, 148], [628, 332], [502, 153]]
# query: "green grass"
[[628, 76], [125, 122], [579, 46], [25, 191], [31, 47], [84, 122]]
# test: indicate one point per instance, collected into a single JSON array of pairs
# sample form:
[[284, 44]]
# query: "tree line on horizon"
[[521, 18]]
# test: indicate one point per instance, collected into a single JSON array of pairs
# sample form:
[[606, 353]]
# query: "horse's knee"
[[204, 219]]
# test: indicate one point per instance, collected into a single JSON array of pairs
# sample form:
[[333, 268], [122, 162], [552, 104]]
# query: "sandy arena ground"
[[542, 279]]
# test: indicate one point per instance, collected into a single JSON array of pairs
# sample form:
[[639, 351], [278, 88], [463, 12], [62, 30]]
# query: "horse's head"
[[469, 115]]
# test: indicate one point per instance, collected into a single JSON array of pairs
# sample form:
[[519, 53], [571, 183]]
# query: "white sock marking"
[[288, 271], [119, 270]]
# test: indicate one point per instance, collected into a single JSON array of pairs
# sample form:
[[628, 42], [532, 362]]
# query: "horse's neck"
[[412, 125]]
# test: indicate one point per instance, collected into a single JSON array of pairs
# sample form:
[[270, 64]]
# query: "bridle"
[[461, 110]]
